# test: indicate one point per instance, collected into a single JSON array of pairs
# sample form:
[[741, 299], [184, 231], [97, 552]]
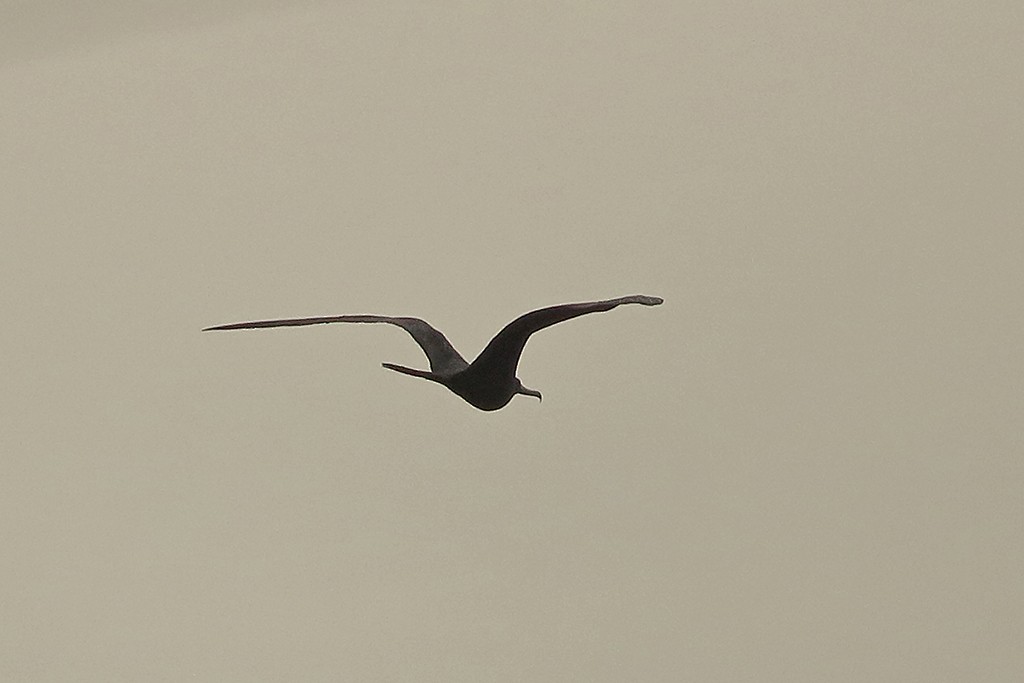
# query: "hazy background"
[[805, 466]]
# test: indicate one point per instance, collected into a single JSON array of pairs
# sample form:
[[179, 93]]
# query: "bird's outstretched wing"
[[443, 357], [501, 355]]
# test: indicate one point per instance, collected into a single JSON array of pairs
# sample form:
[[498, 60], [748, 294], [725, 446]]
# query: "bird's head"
[[520, 389]]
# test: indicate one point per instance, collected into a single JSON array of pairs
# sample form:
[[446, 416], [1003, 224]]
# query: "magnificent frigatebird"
[[490, 381]]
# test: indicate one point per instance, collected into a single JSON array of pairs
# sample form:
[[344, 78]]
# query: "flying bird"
[[490, 381]]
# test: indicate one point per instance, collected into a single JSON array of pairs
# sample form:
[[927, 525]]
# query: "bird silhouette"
[[490, 381]]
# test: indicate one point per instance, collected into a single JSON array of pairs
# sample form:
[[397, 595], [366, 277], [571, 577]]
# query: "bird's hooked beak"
[[528, 392]]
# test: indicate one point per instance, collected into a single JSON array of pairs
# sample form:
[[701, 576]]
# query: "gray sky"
[[806, 465]]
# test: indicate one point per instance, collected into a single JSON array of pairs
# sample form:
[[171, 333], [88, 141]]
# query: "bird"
[[489, 382]]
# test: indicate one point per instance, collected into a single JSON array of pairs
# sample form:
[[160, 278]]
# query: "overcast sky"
[[805, 466]]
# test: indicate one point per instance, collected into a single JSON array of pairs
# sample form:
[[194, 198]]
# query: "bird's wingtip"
[[649, 300]]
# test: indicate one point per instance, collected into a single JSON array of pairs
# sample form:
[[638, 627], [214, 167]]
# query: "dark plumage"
[[490, 381]]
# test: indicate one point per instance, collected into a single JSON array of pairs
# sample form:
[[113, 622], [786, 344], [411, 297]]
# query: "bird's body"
[[490, 381]]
